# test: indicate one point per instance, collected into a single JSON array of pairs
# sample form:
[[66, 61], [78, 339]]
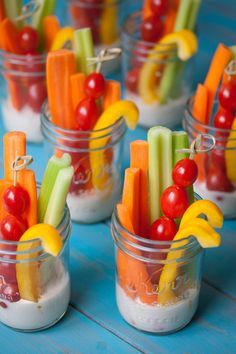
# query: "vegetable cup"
[[35, 286], [23, 90], [154, 75], [97, 161], [157, 282], [217, 173], [102, 17]]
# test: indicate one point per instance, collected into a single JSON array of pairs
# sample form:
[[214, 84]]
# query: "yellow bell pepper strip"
[[113, 113], [206, 207], [63, 39], [27, 273], [187, 45], [108, 32], [230, 154]]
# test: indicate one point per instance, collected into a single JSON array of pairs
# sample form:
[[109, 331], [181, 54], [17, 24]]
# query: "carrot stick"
[[131, 197], [132, 273], [3, 186], [219, 62], [60, 67], [26, 180], [50, 28], [139, 159], [16, 94], [9, 37], [147, 9], [169, 22], [200, 104], [77, 88], [2, 10], [112, 93], [14, 144]]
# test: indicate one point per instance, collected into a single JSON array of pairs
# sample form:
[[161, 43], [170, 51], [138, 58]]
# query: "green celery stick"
[[193, 14], [160, 167], [84, 48], [183, 15], [12, 8], [167, 82], [180, 141], [58, 196], [46, 8], [54, 165]]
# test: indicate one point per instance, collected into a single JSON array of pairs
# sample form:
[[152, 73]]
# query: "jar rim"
[[162, 48], [203, 127], [83, 4], [63, 228]]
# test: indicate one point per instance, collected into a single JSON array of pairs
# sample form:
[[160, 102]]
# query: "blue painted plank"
[[75, 333]]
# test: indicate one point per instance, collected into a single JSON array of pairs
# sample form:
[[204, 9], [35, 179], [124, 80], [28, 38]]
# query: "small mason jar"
[[103, 17], [155, 293], [217, 169], [154, 77], [23, 90], [97, 161], [34, 286]]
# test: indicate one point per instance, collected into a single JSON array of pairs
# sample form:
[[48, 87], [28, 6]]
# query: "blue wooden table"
[[92, 323]]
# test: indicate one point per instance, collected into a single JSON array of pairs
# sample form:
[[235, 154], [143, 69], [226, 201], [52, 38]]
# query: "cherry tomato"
[[7, 269], [95, 85], [223, 119], [82, 176], [185, 173], [10, 292], [29, 39], [131, 81], [151, 29], [37, 93], [163, 229], [11, 228], [217, 180], [15, 200], [174, 202], [86, 114], [159, 7], [227, 96]]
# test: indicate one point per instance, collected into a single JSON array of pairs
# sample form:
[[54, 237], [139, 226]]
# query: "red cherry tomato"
[[15, 200], [131, 81], [29, 39], [227, 96], [10, 292], [11, 228], [7, 269], [151, 29], [159, 7], [95, 85], [217, 180], [37, 93], [174, 202], [185, 173], [223, 119], [163, 229], [86, 114]]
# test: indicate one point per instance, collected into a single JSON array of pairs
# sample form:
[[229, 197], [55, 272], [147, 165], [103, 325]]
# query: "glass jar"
[[97, 161], [154, 78], [35, 289], [155, 293], [103, 19], [23, 90], [217, 173]]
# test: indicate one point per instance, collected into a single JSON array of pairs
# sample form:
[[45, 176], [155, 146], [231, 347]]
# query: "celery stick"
[[58, 196], [46, 8], [84, 48], [167, 82], [193, 14], [54, 165], [160, 166], [183, 15], [12, 8], [180, 141]]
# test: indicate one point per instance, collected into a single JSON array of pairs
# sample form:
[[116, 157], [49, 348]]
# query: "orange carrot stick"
[[132, 273], [139, 159], [77, 88], [14, 144], [131, 197], [3, 186], [26, 180], [9, 37], [147, 9], [50, 28], [112, 93], [60, 67], [219, 62], [169, 22]]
